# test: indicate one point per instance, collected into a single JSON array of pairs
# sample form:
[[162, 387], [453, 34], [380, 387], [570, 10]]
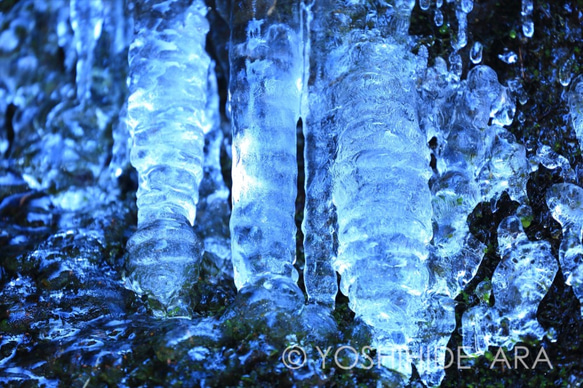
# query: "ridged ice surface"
[[520, 282], [379, 182], [565, 201], [167, 118], [266, 59]]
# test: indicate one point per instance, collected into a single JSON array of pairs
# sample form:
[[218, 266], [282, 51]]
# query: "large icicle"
[[379, 183], [166, 117], [519, 283], [265, 91]]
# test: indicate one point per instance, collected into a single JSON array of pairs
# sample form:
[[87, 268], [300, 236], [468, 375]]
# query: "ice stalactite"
[[167, 110], [319, 224], [267, 69], [87, 19], [519, 284], [463, 8], [380, 173]]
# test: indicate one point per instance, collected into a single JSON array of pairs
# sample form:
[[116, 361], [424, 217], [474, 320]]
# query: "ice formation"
[[575, 101], [520, 282], [565, 201], [87, 22], [380, 172], [267, 69], [397, 234], [464, 141], [319, 224], [167, 117]]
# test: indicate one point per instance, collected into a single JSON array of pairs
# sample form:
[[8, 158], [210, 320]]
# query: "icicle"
[[519, 284], [167, 118], [575, 101], [464, 144], [265, 96], [379, 182], [565, 201], [87, 22], [462, 10], [319, 223]]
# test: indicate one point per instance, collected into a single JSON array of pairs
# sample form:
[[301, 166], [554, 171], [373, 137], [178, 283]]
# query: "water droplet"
[[438, 3], [467, 6], [509, 57], [456, 64], [424, 4], [476, 53], [438, 18], [528, 28], [565, 74]]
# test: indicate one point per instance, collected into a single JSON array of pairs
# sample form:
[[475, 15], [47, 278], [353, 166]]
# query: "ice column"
[[166, 118], [565, 201], [379, 182], [519, 283], [265, 90]]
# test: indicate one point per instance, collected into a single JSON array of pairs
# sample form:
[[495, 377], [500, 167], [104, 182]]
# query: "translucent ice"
[[167, 117], [87, 22], [476, 53], [379, 181], [463, 9], [459, 119], [267, 67], [565, 201], [520, 282], [319, 225], [575, 101], [551, 160]]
